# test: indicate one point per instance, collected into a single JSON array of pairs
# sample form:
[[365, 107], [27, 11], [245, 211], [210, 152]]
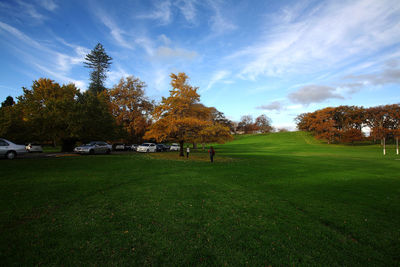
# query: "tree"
[[12, 124], [178, 117], [46, 108], [92, 118], [246, 124], [99, 62], [8, 102], [263, 124], [131, 108]]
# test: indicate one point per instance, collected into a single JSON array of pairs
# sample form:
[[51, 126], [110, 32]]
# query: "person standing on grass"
[[212, 153], [187, 152]]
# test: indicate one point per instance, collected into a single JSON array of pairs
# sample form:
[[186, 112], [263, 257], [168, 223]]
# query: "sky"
[[278, 58]]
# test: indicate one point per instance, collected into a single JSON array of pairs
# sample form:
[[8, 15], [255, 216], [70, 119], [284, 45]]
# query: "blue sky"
[[279, 58]]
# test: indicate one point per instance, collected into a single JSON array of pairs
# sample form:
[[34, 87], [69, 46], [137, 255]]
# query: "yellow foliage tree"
[[180, 117]]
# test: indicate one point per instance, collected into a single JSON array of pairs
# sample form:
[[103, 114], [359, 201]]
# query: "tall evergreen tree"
[[99, 62]]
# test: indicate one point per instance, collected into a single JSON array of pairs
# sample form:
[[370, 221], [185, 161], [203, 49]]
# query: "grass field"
[[279, 199]]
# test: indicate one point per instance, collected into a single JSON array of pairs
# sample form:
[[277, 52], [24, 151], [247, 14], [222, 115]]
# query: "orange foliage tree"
[[131, 108], [179, 117]]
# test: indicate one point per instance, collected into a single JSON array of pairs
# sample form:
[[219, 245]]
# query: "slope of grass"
[[278, 199]]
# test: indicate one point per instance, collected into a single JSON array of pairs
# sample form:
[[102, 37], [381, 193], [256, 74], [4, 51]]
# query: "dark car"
[[160, 148]]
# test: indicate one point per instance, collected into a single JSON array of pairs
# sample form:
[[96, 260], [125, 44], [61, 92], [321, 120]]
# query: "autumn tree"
[[246, 124], [131, 108], [46, 108], [177, 117], [263, 124], [218, 129], [99, 62]]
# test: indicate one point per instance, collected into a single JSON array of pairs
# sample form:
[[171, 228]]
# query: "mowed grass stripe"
[[269, 205]]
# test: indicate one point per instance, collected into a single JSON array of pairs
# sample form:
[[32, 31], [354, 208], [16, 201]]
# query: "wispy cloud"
[[30, 9], [325, 37], [164, 52], [217, 77], [218, 23], [162, 12], [50, 5], [188, 10], [116, 32], [50, 61]]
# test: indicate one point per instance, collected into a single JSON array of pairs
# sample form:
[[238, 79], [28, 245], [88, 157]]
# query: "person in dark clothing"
[[211, 151]]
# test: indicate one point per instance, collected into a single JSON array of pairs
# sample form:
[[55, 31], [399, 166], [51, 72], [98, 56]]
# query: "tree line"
[[62, 114], [345, 124]]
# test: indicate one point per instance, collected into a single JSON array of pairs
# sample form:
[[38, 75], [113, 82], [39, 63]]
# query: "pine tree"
[[99, 62]]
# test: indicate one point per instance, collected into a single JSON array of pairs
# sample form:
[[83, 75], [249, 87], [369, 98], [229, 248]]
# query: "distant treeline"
[[345, 124]]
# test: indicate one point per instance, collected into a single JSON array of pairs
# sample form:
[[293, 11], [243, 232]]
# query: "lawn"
[[278, 199]]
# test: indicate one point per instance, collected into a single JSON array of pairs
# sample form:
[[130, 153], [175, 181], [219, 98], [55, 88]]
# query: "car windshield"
[[91, 144], [145, 144]]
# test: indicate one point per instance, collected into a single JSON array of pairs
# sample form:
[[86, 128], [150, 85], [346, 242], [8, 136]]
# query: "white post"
[[397, 145], [384, 146]]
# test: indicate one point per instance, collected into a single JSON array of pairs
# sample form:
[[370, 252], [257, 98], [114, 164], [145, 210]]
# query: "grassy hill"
[[277, 199]]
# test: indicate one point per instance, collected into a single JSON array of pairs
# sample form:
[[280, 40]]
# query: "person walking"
[[211, 151], [187, 152]]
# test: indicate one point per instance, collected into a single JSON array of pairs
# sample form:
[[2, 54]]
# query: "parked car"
[[175, 147], [119, 146], [94, 147], [33, 147], [167, 147], [134, 147], [147, 147], [161, 148], [11, 150]]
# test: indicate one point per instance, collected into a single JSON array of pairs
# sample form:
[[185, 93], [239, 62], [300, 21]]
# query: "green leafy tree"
[[99, 62], [92, 118]]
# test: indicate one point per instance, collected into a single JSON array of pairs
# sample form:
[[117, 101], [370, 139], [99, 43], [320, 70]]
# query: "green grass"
[[279, 199]]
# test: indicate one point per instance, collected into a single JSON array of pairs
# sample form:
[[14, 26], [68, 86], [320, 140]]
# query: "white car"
[[147, 147], [175, 147], [11, 150]]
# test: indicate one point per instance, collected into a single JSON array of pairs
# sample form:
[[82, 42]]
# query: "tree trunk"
[[181, 143], [194, 145], [204, 147]]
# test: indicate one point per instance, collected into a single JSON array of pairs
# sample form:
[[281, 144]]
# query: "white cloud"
[[164, 52], [188, 9], [162, 12], [50, 5], [314, 94], [217, 77], [116, 32], [333, 34], [164, 39], [275, 105], [30, 10], [218, 23]]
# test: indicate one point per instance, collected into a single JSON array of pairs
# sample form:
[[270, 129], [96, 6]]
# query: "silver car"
[[10, 150], [95, 147]]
